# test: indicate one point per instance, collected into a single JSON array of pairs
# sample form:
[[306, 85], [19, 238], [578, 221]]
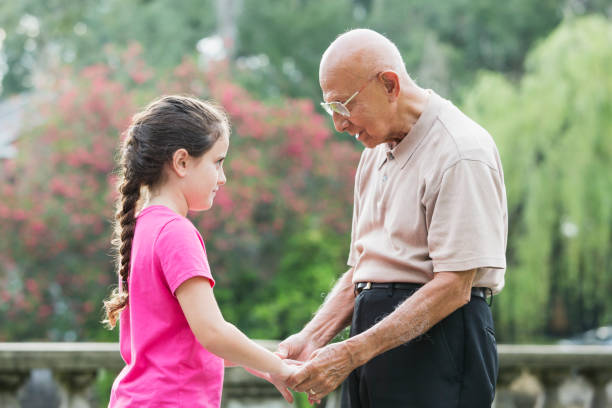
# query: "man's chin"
[[366, 139], [368, 143], [362, 137]]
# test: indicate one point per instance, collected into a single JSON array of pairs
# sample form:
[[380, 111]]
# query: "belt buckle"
[[359, 288]]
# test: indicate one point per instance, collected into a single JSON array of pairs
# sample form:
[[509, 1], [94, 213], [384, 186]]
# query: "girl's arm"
[[220, 337]]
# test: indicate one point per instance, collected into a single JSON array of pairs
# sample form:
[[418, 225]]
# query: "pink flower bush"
[[286, 173]]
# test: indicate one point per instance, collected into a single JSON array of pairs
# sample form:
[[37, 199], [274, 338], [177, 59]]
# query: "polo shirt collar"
[[404, 150]]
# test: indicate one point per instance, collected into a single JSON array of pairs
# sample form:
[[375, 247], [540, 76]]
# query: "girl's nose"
[[222, 179]]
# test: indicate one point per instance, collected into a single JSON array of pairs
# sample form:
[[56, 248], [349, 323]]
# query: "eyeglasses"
[[340, 107]]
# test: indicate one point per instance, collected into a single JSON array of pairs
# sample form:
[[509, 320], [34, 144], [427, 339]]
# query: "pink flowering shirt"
[[165, 364]]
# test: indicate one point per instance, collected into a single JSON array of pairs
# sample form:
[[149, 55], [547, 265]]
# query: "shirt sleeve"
[[181, 253], [467, 225]]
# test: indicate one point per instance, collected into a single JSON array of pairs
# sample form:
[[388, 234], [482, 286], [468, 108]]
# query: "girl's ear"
[[179, 162]]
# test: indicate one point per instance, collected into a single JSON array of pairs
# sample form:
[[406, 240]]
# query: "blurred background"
[[536, 74]]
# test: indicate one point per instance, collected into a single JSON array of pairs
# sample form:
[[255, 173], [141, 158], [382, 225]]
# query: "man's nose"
[[340, 122]]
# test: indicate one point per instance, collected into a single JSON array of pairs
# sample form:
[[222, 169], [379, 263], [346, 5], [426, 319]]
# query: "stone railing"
[[554, 376], [530, 376]]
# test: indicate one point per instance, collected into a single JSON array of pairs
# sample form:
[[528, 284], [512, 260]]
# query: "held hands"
[[324, 372], [293, 351]]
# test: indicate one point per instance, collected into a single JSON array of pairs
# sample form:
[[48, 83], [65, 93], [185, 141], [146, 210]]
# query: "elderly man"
[[427, 245]]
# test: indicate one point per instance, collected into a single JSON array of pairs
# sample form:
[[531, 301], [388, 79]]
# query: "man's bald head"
[[367, 89], [361, 53]]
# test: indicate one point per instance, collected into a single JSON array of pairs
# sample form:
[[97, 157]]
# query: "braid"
[[125, 223]]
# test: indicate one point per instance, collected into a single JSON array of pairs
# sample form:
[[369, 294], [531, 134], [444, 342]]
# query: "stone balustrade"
[[554, 376], [530, 376]]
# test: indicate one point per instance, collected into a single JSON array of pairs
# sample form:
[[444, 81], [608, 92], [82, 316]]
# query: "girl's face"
[[205, 175]]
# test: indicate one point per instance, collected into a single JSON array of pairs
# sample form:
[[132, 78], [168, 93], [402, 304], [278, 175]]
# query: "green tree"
[[42, 35], [290, 36], [553, 131], [279, 43], [443, 43]]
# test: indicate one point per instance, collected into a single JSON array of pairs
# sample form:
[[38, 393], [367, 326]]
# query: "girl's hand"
[[278, 382], [289, 367]]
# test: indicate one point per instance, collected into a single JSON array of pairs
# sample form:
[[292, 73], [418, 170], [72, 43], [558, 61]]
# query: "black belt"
[[361, 286]]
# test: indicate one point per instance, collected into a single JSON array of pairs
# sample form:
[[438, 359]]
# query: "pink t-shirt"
[[165, 364]]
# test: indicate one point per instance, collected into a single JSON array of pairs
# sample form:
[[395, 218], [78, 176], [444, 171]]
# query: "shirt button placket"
[[389, 162]]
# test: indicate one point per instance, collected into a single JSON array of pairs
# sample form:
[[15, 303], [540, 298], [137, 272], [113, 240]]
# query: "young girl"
[[173, 337]]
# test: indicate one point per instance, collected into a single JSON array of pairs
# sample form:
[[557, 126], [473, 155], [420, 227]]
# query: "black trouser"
[[453, 365]]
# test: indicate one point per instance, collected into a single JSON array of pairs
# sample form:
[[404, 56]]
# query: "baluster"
[[528, 390], [551, 378], [10, 383], [75, 387], [504, 397], [599, 378]]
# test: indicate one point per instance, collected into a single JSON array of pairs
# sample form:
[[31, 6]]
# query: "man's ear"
[[391, 83], [179, 162]]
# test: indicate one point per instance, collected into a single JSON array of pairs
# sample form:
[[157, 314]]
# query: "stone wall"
[[61, 375]]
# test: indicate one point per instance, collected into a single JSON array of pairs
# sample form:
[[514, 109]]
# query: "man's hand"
[[296, 347], [324, 372]]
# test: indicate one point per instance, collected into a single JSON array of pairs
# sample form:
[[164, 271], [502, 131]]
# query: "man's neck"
[[411, 106]]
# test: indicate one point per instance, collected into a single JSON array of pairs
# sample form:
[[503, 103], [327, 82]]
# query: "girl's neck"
[[167, 200]]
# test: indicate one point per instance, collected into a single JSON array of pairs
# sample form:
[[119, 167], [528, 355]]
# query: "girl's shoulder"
[[157, 211], [169, 224]]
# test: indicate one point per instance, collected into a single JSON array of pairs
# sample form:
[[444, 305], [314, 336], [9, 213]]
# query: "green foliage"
[[300, 400], [292, 35], [279, 43], [79, 33], [443, 43], [307, 271], [103, 385], [553, 131]]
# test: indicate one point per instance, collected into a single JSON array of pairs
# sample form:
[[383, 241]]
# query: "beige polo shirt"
[[435, 202]]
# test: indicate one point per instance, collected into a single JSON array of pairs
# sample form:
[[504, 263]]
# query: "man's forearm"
[[335, 313], [414, 317]]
